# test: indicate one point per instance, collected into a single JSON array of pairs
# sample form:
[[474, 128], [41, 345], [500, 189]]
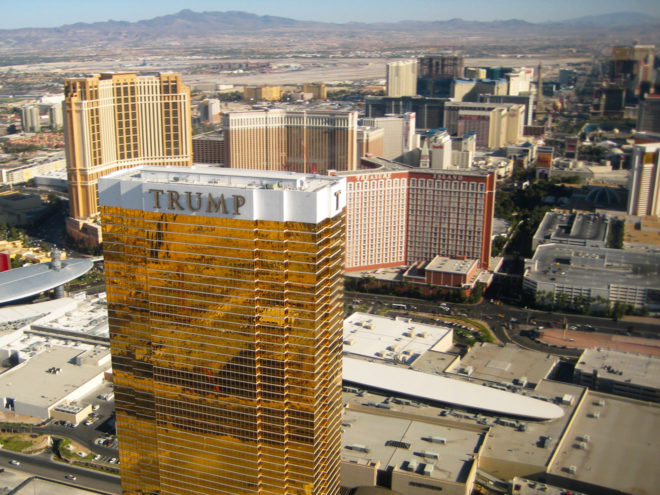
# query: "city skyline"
[[39, 13]]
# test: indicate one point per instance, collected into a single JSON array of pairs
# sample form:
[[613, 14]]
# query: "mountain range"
[[186, 28]]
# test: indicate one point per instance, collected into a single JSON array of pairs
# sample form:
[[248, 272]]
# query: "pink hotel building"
[[396, 215]]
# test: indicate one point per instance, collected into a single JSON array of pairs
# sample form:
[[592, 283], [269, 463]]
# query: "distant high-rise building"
[[429, 112], [398, 215], [255, 94], [463, 150], [540, 106], [544, 158], [519, 81], [440, 150], [399, 137], [450, 213], [521, 99], [55, 115], [610, 99], [441, 66], [648, 119], [209, 148], [425, 155], [436, 73], [120, 120], [402, 78], [209, 110], [299, 141], [317, 90], [475, 73], [376, 217], [370, 141], [567, 77], [495, 124], [633, 67], [472, 89], [225, 305], [644, 187], [30, 118]]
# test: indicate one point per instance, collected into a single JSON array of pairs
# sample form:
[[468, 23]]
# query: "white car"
[[14, 462], [71, 477]]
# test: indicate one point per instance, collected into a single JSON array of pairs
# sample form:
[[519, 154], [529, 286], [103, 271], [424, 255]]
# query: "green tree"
[[615, 236], [18, 261]]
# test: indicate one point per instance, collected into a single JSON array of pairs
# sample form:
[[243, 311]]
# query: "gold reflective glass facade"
[[226, 342]]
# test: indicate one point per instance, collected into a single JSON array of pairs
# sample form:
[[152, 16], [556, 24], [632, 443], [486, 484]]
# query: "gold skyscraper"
[[225, 304], [297, 141], [117, 121]]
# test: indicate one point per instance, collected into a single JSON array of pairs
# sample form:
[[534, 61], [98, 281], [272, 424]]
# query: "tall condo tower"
[[540, 106], [644, 184], [401, 77], [225, 302], [296, 141], [117, 121]]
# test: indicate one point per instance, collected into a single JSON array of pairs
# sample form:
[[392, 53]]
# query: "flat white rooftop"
[[44, 309], [618, 366], [446, 390], [32, 382], [228, 177], [448, 265], [612, 442], [399, 339], [394, 439], [507, 363], [225, 193]]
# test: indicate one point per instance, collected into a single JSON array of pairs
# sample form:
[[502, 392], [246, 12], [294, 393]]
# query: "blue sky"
[[50, 13]]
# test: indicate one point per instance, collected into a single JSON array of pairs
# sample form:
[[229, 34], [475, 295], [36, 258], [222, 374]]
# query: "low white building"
[[52, 375], [611, 274]]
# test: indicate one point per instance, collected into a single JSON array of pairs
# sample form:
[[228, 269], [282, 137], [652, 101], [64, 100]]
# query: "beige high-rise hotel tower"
[[225, 303], [119, 120]]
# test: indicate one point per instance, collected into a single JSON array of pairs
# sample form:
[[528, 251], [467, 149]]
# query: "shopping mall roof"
[[386, 338], [610, 442], [446, 390], [397, 439], [594, 267], [51, 373], [635, 370], [508, 364], [31, 280]]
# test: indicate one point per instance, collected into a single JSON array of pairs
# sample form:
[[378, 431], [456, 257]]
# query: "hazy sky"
[[49, 13]]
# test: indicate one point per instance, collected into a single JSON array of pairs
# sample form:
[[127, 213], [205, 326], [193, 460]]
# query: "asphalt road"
[[497, 316], [42, 465]]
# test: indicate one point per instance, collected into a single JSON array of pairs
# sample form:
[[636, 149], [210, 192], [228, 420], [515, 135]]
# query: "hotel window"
[[482, 187], [413, 182]]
